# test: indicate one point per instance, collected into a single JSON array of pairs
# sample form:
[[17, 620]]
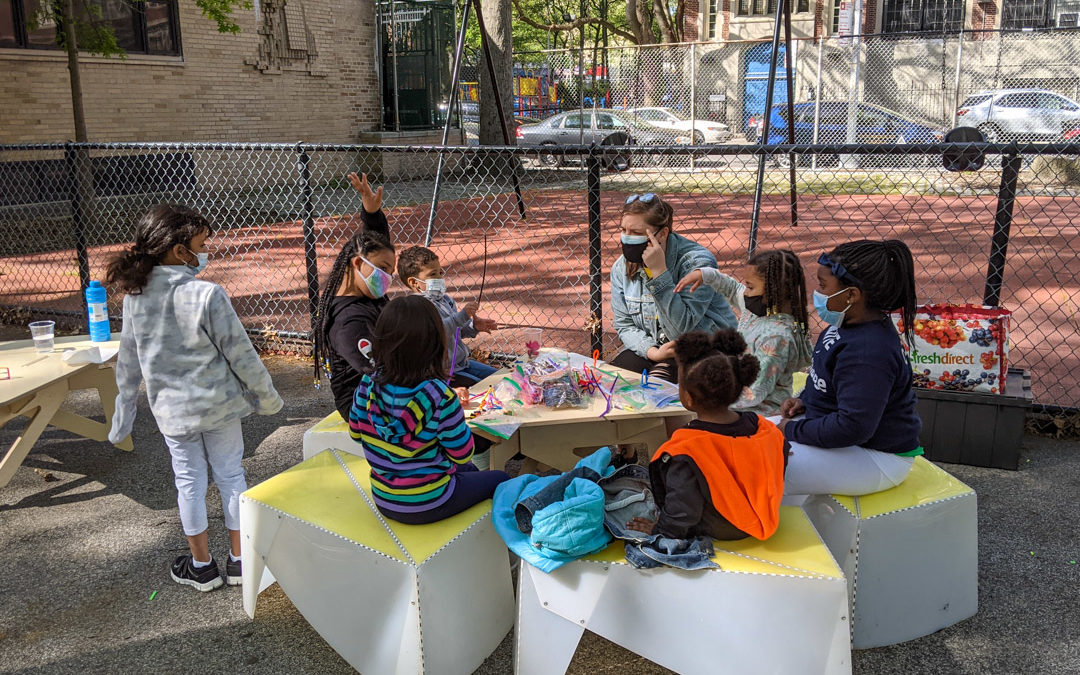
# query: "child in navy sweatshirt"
[[854, 429]]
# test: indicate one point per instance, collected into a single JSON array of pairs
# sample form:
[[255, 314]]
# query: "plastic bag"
[[563, 393]]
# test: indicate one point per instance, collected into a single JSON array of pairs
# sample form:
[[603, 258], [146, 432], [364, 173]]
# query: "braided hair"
[[157, 232], [886, 273], [784, 282], [715, 369], [363, 243]]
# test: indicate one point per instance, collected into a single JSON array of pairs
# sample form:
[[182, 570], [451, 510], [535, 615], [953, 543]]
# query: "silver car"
[[1019, 114], [603, 127]]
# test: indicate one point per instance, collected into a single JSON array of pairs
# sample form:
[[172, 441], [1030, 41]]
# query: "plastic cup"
[[532, 341], [42, 332]]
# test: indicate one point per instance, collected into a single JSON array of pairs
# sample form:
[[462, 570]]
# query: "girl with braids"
[[860, 431], [183, 337], [723, 475], [648, 312], [772, 319], [353, 297]]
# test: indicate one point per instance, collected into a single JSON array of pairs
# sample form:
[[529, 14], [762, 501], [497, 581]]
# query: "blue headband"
[[839, 271]]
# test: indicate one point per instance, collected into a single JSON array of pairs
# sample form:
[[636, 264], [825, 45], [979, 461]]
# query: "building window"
[[1020, 14], [835, 18], [713, 19], [150, 27], [920, 16], [768, 7]]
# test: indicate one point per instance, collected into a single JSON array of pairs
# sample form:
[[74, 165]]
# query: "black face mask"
[[755, 304], [632, 252]]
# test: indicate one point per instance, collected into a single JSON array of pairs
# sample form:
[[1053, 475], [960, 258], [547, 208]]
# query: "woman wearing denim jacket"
[[647, 312]]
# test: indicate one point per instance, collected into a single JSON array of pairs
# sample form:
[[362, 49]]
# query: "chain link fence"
[[534, 230], [898, 88]]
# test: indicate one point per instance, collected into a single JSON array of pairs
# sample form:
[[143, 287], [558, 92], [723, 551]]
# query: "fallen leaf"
[[47, 476]]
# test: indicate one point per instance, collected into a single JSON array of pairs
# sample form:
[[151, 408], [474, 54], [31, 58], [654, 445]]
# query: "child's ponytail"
[[157, 232], [886, 272]]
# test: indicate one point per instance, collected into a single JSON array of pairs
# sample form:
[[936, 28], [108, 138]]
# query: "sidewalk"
[[87, 534]]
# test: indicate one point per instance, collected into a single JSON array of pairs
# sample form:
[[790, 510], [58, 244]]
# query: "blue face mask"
[[821, 306], [201, 261]]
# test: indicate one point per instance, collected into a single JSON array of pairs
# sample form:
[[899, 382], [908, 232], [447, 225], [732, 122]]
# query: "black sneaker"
[[234, 572], [200, 578]]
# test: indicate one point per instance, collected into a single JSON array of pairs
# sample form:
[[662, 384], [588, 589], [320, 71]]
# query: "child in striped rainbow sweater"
[[412, 425]]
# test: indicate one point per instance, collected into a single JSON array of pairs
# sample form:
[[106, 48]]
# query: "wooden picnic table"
[[551, 436], [36, 387]]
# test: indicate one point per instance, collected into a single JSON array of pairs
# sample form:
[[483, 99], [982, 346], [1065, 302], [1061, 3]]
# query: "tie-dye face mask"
[[378, 282]]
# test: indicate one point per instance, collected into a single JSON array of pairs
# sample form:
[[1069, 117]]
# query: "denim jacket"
[[647, 312]]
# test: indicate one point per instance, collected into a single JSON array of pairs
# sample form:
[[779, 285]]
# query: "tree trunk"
[[71, 46], [498, 17], [79, 167]]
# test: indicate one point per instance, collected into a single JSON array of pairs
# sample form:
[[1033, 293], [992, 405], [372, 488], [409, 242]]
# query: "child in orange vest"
[[721, 476]]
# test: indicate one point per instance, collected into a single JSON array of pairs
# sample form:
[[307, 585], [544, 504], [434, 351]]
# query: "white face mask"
[[201, 261], [435, 286]]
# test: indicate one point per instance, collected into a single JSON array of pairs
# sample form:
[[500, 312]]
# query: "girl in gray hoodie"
[[181, 335]]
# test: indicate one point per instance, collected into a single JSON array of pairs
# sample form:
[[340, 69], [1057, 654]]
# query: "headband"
[[839, 271]]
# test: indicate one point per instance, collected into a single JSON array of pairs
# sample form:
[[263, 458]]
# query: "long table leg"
[[104, 381], [46, 402]]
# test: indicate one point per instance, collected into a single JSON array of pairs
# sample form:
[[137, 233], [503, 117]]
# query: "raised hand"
[[693, 280], [654, 256], [372, 200]]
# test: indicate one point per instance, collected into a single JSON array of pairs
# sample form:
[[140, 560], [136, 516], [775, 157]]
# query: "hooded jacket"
[[414, 438]]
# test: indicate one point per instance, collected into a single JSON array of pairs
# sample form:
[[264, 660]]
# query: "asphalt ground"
[[87, 533]]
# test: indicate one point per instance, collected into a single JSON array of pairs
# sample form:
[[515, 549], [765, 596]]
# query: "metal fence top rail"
[[1064, 148]]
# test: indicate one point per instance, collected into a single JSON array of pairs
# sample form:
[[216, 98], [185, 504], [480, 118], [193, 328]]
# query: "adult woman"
[[352, 299], [647, 312]]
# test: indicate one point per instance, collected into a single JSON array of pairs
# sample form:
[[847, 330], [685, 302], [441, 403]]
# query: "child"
[[411, 425], [183, 337], [419, 268], [772, 319], [860, 433], [723, 475], [352, 298]]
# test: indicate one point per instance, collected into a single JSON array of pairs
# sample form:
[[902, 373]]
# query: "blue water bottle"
[[99, 312]]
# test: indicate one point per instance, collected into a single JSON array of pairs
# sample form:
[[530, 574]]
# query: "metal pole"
[[310, 256], [999, 244], [581, 78], [766, 123], [789, 77], [458, 49], [393, 58], [693, 100], [817, 99], [956, 79], [853, 94], [596, 272], [80, 177], [498, 99]]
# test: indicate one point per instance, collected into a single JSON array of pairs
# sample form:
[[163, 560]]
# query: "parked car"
[[603, 127], [704, 131], [1004, 115], [873, 125]]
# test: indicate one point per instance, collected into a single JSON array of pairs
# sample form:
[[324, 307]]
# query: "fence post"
[[80, 185], [956, 78], [999, 244], [693, 102], [310, 257], [596, 278], [817, 99]]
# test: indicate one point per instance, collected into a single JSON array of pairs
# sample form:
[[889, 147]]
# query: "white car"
[[705, 131]]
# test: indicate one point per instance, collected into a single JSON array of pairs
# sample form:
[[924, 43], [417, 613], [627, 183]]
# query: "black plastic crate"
[[974, 428]]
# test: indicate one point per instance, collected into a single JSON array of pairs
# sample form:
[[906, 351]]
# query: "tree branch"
[[664, 20], [571, 26]]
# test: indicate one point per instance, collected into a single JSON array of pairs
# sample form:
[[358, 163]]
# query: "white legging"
[[850, 470], [221, 449]]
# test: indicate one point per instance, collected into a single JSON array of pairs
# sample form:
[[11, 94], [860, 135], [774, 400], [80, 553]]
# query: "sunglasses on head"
[[647, 198]]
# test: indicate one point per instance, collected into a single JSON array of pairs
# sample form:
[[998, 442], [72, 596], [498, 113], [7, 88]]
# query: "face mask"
[[821, 305], [201, 261], [633, 245], [378, 282], [755, 304], [435, 286]]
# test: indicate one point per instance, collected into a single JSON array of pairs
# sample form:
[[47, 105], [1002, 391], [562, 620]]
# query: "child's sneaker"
[[200, 578], [234, 572]]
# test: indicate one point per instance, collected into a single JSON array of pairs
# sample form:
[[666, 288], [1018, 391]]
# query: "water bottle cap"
[[95, 283]]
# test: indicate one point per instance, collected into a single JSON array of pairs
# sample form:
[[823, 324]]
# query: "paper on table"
[[89, 355]]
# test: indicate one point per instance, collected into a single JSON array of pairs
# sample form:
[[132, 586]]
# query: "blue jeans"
[[470, 487], [472, 373]]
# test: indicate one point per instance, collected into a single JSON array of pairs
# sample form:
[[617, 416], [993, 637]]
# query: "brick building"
[[296, 71]]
